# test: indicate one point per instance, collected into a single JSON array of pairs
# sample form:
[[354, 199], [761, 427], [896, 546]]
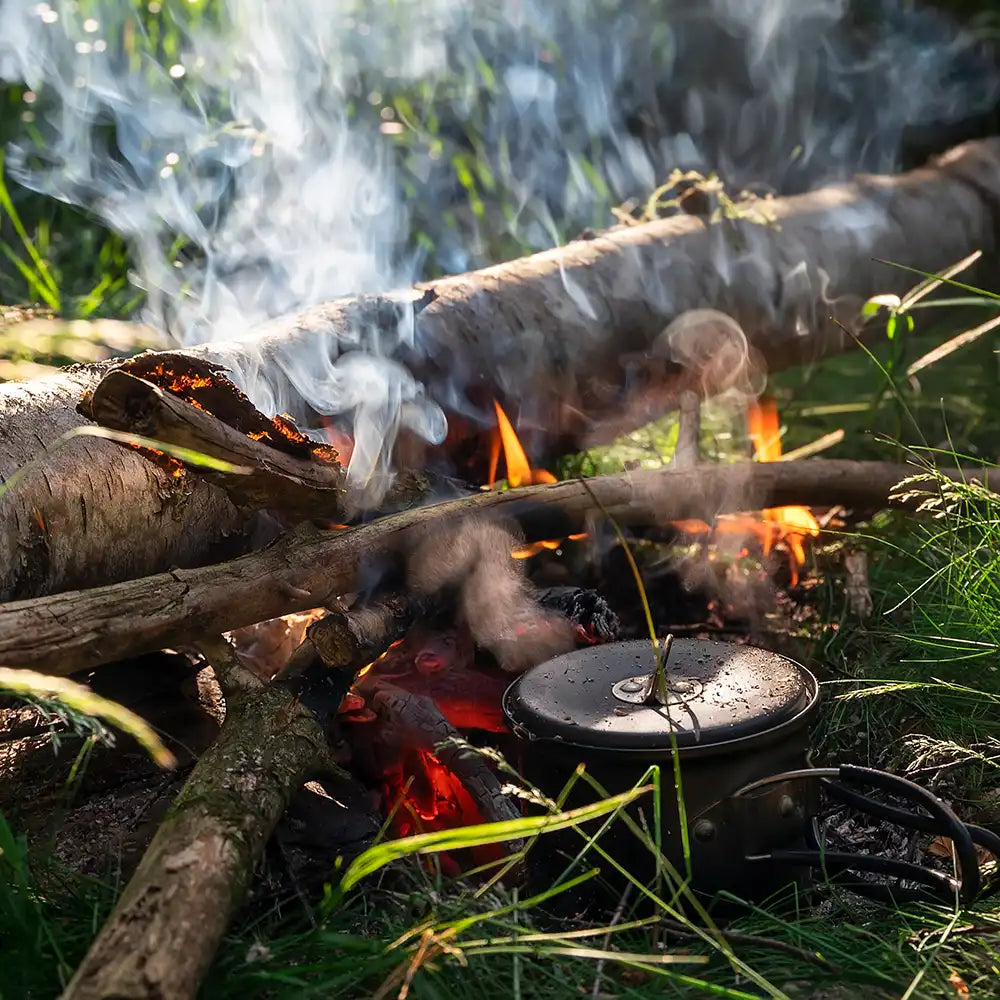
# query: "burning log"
[[168, 922], [576, 336], [309, 567]]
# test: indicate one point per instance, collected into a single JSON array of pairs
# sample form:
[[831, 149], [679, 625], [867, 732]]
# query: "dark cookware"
[[739, 719]]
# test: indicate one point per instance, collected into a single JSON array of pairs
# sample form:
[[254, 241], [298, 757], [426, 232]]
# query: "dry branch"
[[165, 929], [309, 567], [557, 333]]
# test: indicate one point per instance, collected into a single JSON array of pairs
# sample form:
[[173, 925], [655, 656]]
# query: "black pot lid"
[[716, 692]]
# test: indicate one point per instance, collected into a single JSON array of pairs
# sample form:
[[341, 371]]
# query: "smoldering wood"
[[309, 567], [348, 640], [568, 340], [273, 481], [164, 931]]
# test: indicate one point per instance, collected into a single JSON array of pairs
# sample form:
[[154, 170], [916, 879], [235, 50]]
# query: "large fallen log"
[[63, 633], [572, 338]]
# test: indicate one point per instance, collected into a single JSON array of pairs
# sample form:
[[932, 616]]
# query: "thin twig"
[[753, 940], [615, 918]]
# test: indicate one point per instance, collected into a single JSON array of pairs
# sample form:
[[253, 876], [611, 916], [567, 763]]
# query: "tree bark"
[[570, 339], [92, 511], [165, 929], [571, 342], [308, 568]]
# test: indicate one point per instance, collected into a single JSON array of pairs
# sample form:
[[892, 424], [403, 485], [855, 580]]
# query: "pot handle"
[[941, 821]]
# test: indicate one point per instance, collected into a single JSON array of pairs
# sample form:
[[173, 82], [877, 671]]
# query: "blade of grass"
[[892, 385], [950, 346], [187, 455], [81, 699], [41, 267], [475, 836], [930, 284], [661, 674], [936, 277]]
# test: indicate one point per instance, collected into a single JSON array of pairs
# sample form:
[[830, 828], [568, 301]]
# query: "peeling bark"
[[91, 510], [305, 569]]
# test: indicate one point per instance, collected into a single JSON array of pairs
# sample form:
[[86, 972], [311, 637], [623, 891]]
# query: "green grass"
[[915, 687]]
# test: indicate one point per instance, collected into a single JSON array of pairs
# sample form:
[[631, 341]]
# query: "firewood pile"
[[338, 621]]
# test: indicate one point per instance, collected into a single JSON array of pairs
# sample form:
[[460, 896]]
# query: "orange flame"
[[787, 525], [520, 473], [342, 443], [519, 470], [792, 525]]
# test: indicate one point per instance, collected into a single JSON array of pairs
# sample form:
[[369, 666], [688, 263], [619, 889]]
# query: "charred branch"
[[294, 485], [347, 640], [309, 567]]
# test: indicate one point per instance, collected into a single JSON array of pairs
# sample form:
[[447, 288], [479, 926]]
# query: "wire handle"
[[941, 821]]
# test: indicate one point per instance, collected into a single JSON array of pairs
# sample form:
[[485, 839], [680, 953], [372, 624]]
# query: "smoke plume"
[[260, 157]]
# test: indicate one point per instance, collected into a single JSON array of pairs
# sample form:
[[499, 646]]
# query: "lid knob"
[[653, 688]]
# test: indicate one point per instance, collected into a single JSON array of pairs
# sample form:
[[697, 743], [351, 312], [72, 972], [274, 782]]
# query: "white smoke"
[[284, 154]]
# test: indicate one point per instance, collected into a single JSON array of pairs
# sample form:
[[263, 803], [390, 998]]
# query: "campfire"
[[411, 715], [317, 551], [367, 590]]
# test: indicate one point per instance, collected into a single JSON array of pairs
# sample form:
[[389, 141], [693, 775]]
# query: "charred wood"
[[348, 640], [91, 510]]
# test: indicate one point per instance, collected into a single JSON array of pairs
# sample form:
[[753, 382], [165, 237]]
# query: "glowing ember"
[[547, 545], [420, 792], [425, 796]]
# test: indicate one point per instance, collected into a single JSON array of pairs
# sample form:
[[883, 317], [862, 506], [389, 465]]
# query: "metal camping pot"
[[739, 720]]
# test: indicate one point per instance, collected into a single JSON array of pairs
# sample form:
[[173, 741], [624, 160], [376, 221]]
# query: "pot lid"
[[605, 696]]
